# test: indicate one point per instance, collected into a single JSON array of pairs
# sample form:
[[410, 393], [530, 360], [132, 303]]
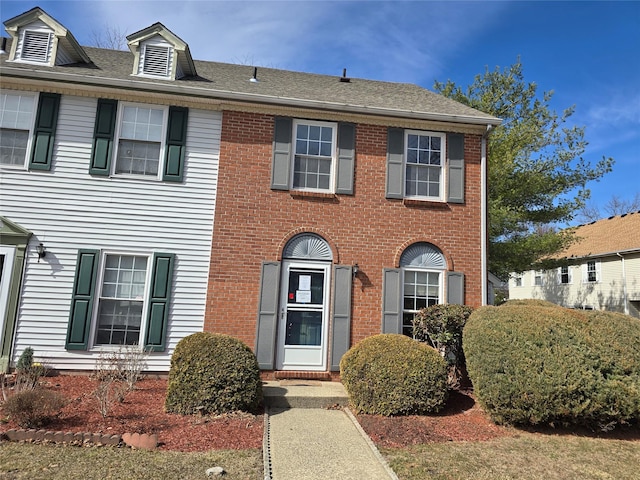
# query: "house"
[[602, 271], [149, 196]]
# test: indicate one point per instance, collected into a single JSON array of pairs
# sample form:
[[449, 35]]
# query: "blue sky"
[[588, 53]]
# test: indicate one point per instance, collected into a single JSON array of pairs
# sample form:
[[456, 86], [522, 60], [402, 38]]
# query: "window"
[[517, 280], [537, 279], [564, 275], [35, 46], [17, 112], [591, 272], [141, 140], [313, 159], [424, 165], [121, 300]]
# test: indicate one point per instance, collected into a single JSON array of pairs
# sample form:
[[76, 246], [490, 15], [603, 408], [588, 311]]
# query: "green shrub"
[[33, 408], [532, 364], [441, 327], [213, 373], [530, 302], [394, 375]]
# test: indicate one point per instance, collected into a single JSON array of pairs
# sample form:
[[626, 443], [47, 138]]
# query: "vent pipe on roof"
[[254, 79], [344, 77]]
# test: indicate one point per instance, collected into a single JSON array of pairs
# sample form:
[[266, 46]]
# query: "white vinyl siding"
[[73, 210]]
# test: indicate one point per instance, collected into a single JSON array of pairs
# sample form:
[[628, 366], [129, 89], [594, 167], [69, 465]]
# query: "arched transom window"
[[308, 246]]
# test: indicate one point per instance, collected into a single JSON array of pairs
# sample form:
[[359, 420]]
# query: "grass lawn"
[[525, 456], [28, 461]]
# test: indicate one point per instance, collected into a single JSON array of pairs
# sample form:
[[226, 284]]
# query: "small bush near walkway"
[[394, 375], [537, 364]]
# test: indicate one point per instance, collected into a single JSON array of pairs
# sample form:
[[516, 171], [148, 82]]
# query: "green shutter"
[[346, 158], [103, 135], [44, 131], [268, 315], [455, 288], [391, 301], [176, 144], [281, 166], [159, 299], [455, 149], [341, 327], [395, 164], [82, 300]]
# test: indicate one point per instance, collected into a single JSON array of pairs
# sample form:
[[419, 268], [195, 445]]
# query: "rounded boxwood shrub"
[[532, 364], [394, 375], [212, 373]]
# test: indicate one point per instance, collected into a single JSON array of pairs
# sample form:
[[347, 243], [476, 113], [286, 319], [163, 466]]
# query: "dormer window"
[[35, 46], [156, 60]]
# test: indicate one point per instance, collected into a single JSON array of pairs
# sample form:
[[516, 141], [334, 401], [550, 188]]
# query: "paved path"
[[321, 444]]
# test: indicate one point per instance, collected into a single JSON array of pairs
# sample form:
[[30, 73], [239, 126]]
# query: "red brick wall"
[[253, 223]]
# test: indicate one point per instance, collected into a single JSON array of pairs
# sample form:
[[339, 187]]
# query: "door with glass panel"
[[302, 335]]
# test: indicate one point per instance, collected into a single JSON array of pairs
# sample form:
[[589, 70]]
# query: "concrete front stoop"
[[310, 434]]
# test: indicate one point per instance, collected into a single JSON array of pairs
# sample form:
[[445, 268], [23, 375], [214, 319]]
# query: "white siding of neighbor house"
[[68, 209], [605, 294]]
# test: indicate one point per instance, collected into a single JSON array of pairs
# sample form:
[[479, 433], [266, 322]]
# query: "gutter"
[[191, 91], [484, 215], [624, 285]]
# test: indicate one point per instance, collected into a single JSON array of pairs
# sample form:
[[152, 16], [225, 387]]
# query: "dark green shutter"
[[82, 300], [395, 164], [281, 166], [455, 149], [44, 131], [176, 144], [159, 298], [455, 288], [341, 328], [346, 158], [391, 301], [268, 315], [103, 135]]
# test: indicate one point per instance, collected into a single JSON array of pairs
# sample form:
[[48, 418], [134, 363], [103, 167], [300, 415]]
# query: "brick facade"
[[253, 223]]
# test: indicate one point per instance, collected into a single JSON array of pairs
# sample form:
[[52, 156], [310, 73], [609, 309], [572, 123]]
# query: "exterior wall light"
[[42, 251], [356, 269]]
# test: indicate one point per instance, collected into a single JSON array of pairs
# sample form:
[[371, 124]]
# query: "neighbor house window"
[[517, 280], [537, 279], [564, 275], [314, 155], [424, 161], [591, 271], [121, 300], [17, 112], [141, 139]]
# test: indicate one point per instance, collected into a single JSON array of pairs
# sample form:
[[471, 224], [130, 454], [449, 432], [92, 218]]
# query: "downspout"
[[624, 285], [483, 214]]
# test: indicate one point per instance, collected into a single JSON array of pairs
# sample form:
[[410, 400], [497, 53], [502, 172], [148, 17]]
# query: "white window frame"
[[36, 98], [586, 271], [334, 154], [518, 280], [23, 33], [441, 275], [443, 165], [569, 276], [163, 139], [538, 274], [98, 296]]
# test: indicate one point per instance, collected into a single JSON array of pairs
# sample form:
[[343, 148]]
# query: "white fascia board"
[[132, 84]]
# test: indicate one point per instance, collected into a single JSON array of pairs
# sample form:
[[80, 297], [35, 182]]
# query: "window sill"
[[410, 202], [303, 194]]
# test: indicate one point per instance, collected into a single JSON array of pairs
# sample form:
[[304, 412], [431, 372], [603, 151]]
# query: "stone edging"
[[135, 440]]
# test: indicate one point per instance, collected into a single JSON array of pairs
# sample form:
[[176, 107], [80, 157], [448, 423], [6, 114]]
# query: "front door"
[[304, 309], [7, 255]]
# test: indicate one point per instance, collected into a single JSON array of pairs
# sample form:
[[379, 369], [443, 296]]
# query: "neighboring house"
[[603, 271], [342, 206], [109, 169]]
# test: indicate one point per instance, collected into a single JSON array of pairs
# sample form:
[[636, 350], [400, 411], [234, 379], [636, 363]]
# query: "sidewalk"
[[318, 443]]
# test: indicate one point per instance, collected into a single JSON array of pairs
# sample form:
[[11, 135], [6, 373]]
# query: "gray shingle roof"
[[228, 81]]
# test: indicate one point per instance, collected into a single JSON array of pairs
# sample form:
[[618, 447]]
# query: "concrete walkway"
[[308, 442]]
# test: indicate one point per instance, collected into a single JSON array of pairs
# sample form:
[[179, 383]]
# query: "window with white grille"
[[17, 112], [35, 46], [141, 137], [156, 60]]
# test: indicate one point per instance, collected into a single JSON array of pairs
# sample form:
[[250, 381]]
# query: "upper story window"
[[141, 138], [17, 113], [424, 165], [156, 60], [314, 156], [36, 46], [592, 272]]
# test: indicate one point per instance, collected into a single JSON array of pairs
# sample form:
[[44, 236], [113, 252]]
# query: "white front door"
[[304, 310], [7, 255]]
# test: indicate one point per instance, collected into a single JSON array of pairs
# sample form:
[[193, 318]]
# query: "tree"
[[536, 175], [615, 206], [110, 37]]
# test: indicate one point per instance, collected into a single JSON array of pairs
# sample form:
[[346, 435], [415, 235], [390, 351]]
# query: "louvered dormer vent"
[[156, 60], [35, 46]]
